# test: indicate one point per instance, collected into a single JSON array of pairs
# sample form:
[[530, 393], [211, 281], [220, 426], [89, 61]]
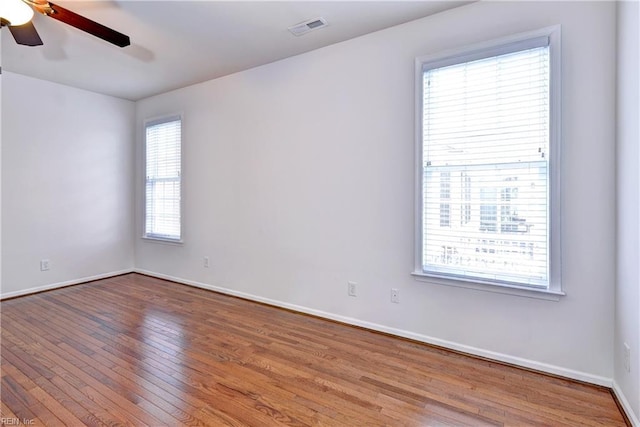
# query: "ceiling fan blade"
[[26, 34], [89, 26]]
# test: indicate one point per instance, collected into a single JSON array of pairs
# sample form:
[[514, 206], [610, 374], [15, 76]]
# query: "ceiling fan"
[[17, 15]]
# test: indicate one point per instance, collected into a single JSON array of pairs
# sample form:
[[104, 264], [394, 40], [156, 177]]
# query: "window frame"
[[477, 51], [147, 123]]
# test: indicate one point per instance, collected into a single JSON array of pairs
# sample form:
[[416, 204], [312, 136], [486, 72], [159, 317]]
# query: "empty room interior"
[[322, 213]]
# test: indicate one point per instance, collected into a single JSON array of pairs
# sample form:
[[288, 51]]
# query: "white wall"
[[67, 173], [298, 176], [627, 317], [1, 165]]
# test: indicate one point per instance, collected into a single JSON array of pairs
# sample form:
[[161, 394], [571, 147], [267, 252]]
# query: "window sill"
[[162, 241], [521, 291]]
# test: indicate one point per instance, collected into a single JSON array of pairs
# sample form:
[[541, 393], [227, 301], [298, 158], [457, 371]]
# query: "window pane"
[[485, 161], [506, 232], [162, 193], [478, 110]]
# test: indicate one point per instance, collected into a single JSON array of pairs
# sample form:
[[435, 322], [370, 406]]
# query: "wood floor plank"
[[28, 407], [92, 381], [6, 412], [55, 404], [135, 350]]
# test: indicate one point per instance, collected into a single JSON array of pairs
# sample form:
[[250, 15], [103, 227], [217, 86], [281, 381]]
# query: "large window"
[[163, 140], [488, 148]]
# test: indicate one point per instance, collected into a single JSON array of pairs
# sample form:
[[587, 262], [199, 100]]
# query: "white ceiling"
[[179, 43]]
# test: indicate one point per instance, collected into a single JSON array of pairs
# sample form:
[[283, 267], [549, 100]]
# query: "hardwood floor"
[[134, 350]]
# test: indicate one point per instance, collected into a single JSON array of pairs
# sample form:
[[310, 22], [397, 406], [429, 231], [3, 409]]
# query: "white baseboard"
[[526, 363], [635, 422], [63, 284]]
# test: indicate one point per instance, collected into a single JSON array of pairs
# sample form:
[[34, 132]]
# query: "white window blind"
[[163, 186], [485, 166]]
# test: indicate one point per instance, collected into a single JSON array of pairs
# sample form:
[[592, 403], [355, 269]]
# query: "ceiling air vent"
[[305, 27]]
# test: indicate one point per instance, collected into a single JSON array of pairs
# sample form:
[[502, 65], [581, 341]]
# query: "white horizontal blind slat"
[[517, 46], [486, 127], [163, 170]]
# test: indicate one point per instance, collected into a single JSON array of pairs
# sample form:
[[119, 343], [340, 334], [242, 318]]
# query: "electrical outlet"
[[395, 295], [627, 357], [45, 265], [205, 262], [351, 288]]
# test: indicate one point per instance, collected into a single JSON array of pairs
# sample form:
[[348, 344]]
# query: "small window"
[[488, 150], [163, 141]]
